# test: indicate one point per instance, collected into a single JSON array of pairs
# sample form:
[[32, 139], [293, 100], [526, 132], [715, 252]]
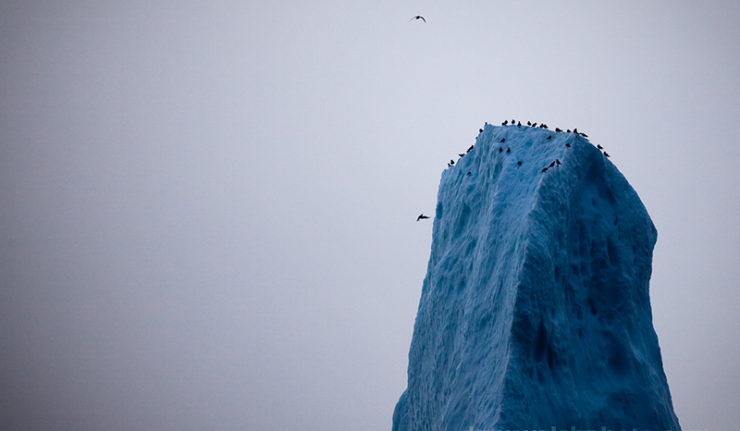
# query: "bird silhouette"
[[418, 17], [421, 217], [606, 154], [471, 148], [599, 146]]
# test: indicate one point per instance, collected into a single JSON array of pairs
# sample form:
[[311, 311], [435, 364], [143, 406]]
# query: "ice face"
[[535, 311]]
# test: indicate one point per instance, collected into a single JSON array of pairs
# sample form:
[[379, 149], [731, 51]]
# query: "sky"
[[207, 214]]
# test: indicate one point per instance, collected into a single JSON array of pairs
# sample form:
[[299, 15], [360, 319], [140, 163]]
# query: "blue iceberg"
[[535, 310]]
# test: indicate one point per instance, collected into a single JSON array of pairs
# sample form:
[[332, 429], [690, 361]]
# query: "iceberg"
[[535, 310]]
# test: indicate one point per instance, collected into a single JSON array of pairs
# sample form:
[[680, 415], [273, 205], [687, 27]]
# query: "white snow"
[[535, 312]]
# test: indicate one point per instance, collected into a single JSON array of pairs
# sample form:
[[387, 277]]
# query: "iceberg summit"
[[535, 311]]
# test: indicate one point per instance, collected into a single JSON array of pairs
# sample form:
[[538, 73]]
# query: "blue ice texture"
[[535, 309]]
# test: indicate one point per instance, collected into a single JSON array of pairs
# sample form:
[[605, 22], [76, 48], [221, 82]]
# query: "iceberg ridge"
[[535, 311]]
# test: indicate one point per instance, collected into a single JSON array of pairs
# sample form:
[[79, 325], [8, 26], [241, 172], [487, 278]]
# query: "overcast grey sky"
[[208, 208]]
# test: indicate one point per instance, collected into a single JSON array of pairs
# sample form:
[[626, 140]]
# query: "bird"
[[575, 130], [534, 124], [544, 170], [503, 140], [599, 146], [452, 162], [606, 154], [469, 173], [518, 124], [552, 164], [512, 122], [500, 150], [567, 145], [558, 129], [519, 163], [505, 123], [557, 161], [461, 154], [508, 150], [567, 131], [471, 148], [529, 123], [480, 130], [418, 17], [549, 136], [584, 135], [421, 217]]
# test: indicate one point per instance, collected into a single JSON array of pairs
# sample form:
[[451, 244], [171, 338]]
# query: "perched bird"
[[503, 140], [606, 154], [500, 150], [469, 173], [512, 122], [452, 162], [471, 148], [519, 163], [599, 146], [557, 161], [567, 131], [567, 145], [518, 124], [505, 123], [421, 217], [557, 129], [508, 150], [544, 170], [461, 154], [529, 123], [534, 124], [418, 17], [552, 164], [480, 130], [575, 130], [584, 135], [549, 136]]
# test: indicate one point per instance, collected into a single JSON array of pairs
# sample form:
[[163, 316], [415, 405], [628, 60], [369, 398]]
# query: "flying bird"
[[418, 17], [421, 217]]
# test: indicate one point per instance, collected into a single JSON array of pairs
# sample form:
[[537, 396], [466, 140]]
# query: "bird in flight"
[[421, 217], [418, 17]]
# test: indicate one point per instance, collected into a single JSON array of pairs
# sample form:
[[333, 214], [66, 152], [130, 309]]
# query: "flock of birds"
[[554, 163]]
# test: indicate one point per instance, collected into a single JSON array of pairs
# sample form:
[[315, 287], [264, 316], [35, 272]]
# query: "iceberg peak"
[[535, 310]]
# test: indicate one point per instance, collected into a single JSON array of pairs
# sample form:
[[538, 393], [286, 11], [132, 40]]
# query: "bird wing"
[[422, 18]]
